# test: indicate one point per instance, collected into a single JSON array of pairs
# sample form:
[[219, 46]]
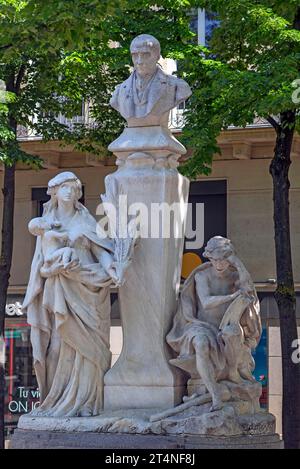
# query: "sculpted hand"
[[56, 224], [113, 274], [236, 294], [233, 260], [246, 294], [70, 260]]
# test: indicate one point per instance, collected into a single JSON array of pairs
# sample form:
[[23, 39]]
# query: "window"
[[207, 217], [22, 394], [202, 23]]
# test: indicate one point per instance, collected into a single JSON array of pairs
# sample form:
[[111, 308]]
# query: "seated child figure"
[[54, 243]]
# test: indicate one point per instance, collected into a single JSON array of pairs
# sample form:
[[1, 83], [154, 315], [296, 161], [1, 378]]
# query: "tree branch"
[[20, 78], [296, 22], [274, 124], [6, 47], [10, 82]]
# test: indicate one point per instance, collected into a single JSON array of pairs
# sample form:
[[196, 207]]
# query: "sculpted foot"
[[234, 378], [85, 412], [189, 398], [217, 404]]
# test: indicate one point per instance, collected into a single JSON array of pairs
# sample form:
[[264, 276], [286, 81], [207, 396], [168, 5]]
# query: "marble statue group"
[[186, 354], [68, 303]]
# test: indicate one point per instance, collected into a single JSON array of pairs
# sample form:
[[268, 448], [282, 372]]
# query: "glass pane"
[[260, 356], [21, 386], [211, 22]]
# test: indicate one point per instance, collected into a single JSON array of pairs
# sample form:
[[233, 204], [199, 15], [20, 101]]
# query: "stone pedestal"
[[23, 439], [156, 144], [131, 429], [142, 377]]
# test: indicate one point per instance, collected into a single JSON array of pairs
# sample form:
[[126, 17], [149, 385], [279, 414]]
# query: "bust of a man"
[[148, 95]]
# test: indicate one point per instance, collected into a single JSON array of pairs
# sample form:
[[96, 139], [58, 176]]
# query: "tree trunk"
[[5, 266], [285, 292]]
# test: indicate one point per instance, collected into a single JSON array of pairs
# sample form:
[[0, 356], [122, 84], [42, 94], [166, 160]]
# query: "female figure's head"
[[65, 189], [218, 250]]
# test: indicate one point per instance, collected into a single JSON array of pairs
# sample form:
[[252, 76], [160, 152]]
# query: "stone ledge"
[[31, 439]]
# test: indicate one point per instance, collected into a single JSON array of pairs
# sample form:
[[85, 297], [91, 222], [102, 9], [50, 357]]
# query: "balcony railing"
[[257, 123], [27, 133], [176, 123]]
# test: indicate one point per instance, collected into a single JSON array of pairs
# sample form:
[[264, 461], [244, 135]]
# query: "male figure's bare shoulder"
[[203, 272]]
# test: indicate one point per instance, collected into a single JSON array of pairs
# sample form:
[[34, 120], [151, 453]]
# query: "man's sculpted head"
[[218, 250], [145, 53], [147, 96]]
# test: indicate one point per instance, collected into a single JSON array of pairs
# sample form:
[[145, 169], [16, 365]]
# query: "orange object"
[[190, 261]]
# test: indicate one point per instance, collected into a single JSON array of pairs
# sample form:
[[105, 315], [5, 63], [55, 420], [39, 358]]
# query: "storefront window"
[[260, 356], [22, 394]]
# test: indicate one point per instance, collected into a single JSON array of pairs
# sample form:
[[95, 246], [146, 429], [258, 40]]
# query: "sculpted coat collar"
[[125, 99]]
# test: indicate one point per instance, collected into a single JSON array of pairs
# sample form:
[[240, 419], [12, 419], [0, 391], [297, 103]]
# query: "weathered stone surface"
[[142, 376], [111, 421], [225, 422], [219, 423], [23, 439]]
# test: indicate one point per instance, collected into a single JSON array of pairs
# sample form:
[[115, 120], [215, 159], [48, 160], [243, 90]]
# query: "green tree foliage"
[[247, 71], [36, 37]]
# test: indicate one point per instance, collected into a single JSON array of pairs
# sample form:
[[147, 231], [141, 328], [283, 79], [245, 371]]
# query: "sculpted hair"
[[53, 186], [218, 247], [145, 41]]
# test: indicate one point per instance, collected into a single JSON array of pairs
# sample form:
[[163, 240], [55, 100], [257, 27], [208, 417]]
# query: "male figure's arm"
[[207, 300]]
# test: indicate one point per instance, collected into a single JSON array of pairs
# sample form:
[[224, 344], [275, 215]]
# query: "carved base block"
[[122, 397], [196, 420], [23, 439], [142, 377]]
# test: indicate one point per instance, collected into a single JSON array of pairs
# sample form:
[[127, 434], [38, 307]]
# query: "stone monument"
[[184, 377], [147, 155]]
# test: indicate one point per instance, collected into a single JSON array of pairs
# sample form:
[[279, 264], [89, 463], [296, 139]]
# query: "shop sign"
[[14, 309], [26, 401]]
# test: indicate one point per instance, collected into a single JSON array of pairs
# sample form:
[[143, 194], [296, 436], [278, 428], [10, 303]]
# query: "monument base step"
[[133, 428], [34, 439]]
